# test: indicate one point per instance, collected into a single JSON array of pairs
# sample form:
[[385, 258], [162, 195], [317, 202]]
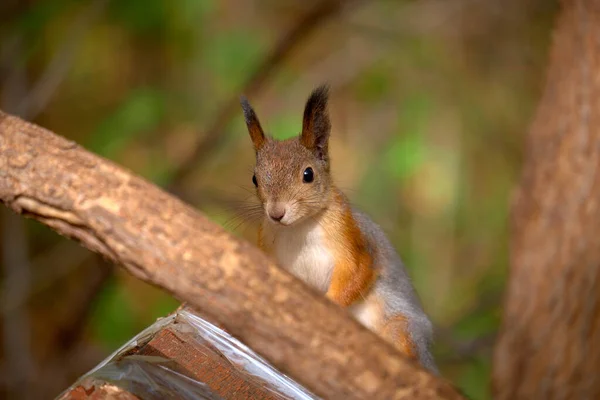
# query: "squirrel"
[[312, 231]]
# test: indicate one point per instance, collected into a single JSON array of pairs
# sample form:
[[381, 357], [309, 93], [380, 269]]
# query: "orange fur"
[[395, 331], [353, 273]]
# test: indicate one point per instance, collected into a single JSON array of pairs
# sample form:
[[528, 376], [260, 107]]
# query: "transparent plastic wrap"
[[183, 356]]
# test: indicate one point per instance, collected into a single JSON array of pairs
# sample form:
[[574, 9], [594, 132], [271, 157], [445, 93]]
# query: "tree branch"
[[165, 242], [548, 345]]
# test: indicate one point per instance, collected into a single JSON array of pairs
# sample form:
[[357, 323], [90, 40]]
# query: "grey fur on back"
[[395, 286]]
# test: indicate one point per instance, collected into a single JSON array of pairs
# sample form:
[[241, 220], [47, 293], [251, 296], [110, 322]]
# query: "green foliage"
[[140, 17], [231, 56], [444, 203], [404, 155], [164, 305], [375, 180], [477, 324], [407, 150], [475, 380], [138, 114], [34, 21], [113, 320], [116, 318], [285, 125], [158, 171], [194, 11], [373, 84]]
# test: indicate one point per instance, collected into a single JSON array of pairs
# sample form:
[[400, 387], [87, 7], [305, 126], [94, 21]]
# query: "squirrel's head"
[[292, 176]]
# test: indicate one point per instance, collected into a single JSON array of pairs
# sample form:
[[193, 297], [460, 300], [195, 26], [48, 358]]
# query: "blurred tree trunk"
[[549, 344]]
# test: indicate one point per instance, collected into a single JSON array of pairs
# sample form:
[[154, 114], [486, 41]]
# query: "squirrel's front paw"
[[330, 296], [335, 297]]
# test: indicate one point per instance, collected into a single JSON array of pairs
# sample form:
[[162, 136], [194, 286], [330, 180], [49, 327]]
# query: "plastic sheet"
[[158, 377]]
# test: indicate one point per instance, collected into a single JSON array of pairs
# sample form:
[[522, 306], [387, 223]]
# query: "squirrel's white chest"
[[302, 251]]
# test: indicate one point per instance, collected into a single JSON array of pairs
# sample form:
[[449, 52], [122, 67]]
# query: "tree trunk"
[[165, 242], [549, 344]]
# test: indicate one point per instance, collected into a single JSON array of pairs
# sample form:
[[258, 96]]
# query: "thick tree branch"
[[165, 242], [549, 344]]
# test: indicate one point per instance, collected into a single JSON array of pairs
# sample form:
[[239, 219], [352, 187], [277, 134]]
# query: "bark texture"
[[165, 242], [549, 344]]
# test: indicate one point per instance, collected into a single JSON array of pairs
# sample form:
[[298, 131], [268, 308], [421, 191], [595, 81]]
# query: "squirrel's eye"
[[254, 180], [309, 175]]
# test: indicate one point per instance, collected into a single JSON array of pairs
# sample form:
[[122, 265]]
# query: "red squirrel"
[[311, 229]]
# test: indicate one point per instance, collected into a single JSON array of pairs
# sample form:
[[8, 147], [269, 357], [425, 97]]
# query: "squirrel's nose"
[[277, 212]]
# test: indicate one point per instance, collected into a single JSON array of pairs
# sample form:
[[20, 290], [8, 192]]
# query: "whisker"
[[247, 189], [241, 220]]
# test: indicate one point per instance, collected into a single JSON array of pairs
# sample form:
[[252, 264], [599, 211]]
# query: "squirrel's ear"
[[315, 124], [256, 133]]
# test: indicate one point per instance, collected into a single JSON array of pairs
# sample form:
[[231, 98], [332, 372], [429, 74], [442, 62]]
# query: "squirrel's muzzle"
[[276, 211]]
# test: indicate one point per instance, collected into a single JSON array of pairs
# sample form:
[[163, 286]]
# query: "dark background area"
[[430, 103]]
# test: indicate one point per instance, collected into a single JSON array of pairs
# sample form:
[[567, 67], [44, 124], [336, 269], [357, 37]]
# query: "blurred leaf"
[[494, 281], [192, 11], [33, 23], [231, 56], [373, 84], [423, 52], [159, 172], [141, 112], [406, 152], [400, 158], [141, 17], [285, 126], [375, 180], [164, 306], [187, 27], [40, 13], [475, 379], [404, 155], [285, 78], [113, 318], [477, 324]]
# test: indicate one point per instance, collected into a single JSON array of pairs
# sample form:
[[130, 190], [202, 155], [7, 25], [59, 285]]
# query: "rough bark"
[[165, 242], [549, 344]]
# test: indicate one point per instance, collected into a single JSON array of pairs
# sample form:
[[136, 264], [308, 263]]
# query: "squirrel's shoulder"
[[371, 231]]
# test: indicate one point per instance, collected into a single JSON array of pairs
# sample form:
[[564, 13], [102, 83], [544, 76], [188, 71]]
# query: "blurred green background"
[[430, 103]]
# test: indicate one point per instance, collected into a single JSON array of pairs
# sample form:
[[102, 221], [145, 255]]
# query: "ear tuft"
[[316, 126], [254, 129]]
